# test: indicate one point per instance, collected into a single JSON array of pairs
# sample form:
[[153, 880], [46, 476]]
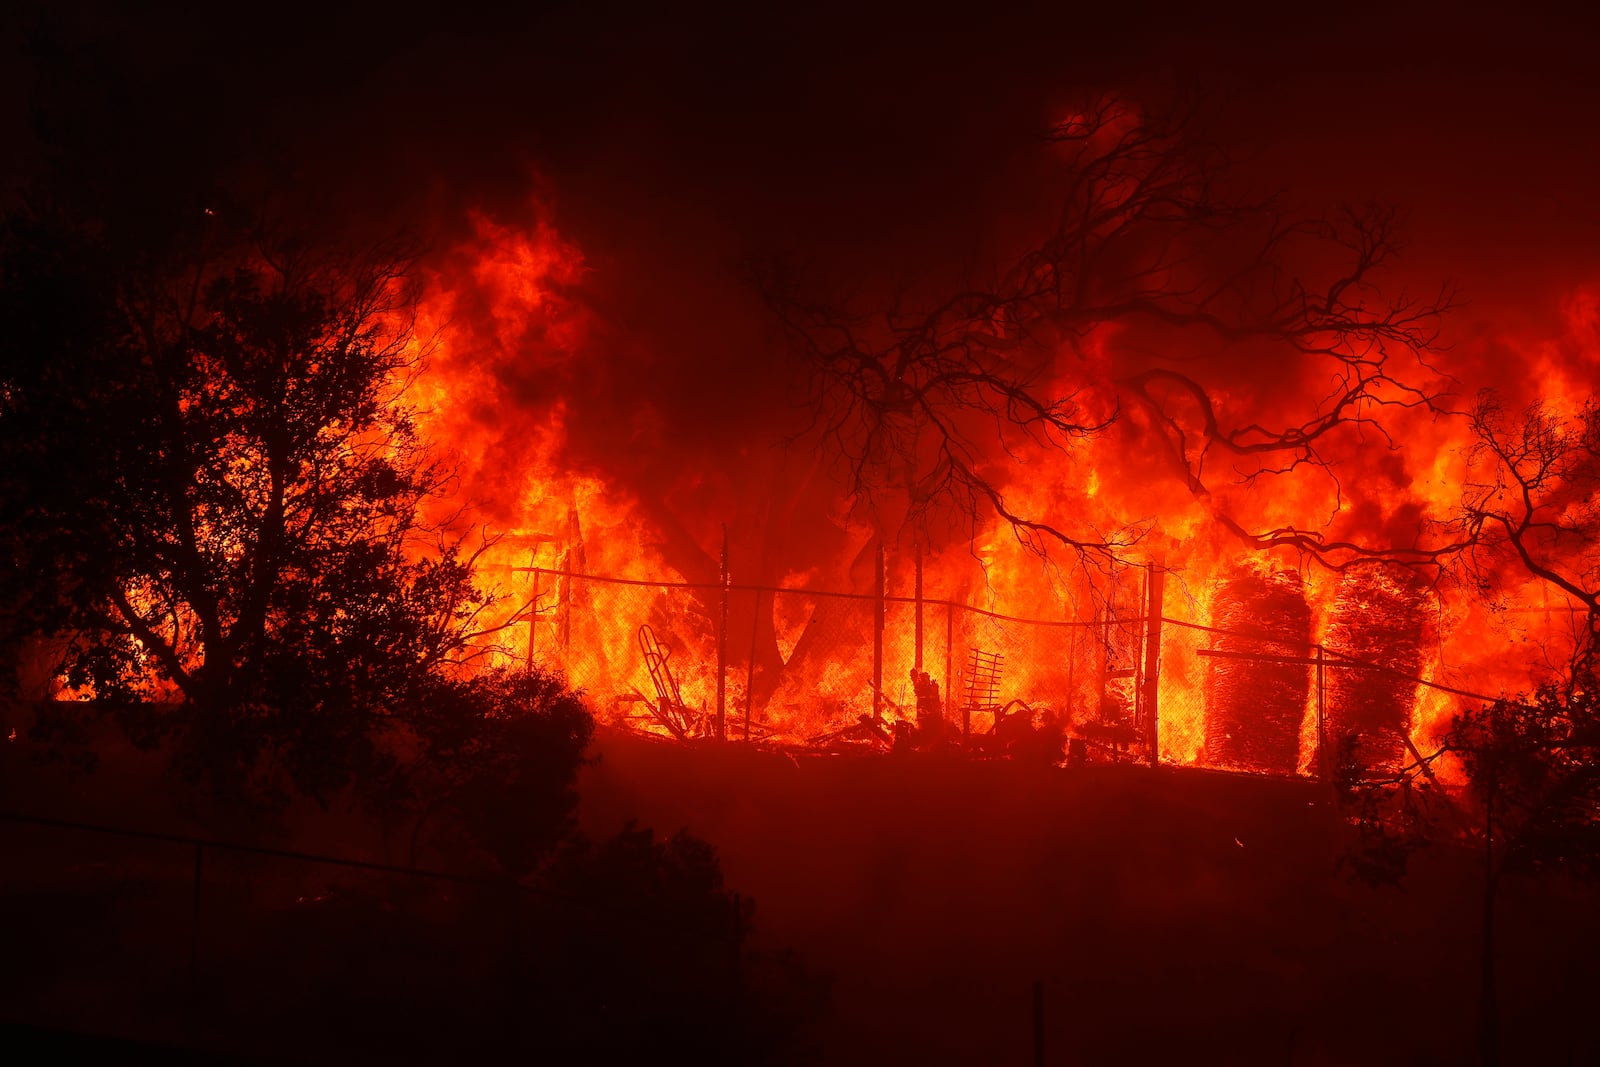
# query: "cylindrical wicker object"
[[1254, 707], [1379, 617]]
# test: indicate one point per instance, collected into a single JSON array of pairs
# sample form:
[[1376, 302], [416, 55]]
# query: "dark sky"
[[674, 147], [829, 124]]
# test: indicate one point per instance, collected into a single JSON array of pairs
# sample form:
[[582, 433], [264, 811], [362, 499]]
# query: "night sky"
[[828, 129], [877, 150]]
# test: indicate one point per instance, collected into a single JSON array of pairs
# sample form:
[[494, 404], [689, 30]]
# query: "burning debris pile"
[[1254, 707], [1379, 617]]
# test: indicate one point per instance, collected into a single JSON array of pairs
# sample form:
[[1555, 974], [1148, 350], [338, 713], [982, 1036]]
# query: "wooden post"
[[722, 647], [1152, 660], [877, 637]]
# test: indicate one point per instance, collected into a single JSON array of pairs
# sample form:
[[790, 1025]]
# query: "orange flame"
[[510, 338]]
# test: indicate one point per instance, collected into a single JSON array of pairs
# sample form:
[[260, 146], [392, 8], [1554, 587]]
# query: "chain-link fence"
[[1181, 696], [1253, 702], [1045, 667], [800, 666]]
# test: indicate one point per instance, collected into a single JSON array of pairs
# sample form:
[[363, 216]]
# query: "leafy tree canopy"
[[212, 493]]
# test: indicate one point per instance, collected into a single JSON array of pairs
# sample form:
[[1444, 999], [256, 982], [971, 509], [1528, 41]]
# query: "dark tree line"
[[212, 493], [1530, 802]]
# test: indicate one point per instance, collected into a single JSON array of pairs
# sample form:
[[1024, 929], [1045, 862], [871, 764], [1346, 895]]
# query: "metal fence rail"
[[791, 664]]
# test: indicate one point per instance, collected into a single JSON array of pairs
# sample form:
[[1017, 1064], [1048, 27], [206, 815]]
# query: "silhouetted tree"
[[1390, 817], [658, 958], [1531, 805], [619, 950], [211, 493], [1531, 503], [1533, 774], [492, 757]]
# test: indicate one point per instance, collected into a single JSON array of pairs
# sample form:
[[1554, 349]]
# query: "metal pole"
[[537, 572], [533, 605], [750, 670], [722, 647], [919, 605], [949, 655], [571, 566], [1072, 666], [877, 638], [1152, 660], [1102, 655], [564, 604], [1322, 740]]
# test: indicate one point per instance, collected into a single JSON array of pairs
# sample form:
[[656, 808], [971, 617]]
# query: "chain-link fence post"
[[533, 603], [949, 657], [1152, 660], [750, 661], [722, 645], [1322, 740], [917, 663], [878, 610]]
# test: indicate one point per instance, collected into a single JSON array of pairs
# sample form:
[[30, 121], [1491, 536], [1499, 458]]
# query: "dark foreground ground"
[[1169, 915]]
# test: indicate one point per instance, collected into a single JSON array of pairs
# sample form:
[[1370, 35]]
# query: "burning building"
[[1146, 367], [790, 607]]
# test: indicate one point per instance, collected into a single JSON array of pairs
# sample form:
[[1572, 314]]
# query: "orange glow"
[[511, 334]]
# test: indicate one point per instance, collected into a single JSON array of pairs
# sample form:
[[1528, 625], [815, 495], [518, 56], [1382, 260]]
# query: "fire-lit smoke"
[[518, 356]]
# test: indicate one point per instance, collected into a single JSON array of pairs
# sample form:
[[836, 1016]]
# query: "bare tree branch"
[[936, 405]]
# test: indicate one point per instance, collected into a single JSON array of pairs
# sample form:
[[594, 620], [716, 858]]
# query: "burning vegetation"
[[962, 537], [1379, 617], [1255, 705], [1014, 462]]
